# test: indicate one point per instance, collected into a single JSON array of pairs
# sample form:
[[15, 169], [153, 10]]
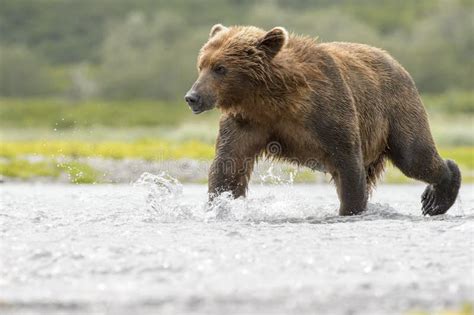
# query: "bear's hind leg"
[[418, 158]]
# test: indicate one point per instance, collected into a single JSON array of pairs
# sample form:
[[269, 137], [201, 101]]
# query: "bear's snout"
[[194, 101]]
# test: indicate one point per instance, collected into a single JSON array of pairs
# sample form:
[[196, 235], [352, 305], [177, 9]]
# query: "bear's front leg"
[[351, 184], [237, 148], [229, 174]]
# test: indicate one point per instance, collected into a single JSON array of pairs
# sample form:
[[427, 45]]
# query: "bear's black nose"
[[192, 99]]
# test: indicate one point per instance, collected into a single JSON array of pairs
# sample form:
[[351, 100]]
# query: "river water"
[[151, 247]]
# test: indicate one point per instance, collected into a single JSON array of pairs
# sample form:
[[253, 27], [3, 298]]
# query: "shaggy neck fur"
[[275, 83]]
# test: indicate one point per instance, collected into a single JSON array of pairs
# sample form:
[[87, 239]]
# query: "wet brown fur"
[[342, 107]]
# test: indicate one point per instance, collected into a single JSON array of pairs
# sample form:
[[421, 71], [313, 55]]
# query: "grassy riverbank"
[[51, 158]]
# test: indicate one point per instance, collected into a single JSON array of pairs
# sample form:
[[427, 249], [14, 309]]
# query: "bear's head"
[[234, 66]]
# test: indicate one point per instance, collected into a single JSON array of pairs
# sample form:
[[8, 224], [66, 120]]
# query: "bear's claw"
[[438, 198], [432, 202]]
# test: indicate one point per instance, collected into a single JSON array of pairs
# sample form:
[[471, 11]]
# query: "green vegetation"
[[78, 173], [451, 102], [143, 149], [24, 169], [61, 114], [156, 150]]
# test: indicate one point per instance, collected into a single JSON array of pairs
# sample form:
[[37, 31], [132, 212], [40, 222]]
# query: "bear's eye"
[[221, 70]]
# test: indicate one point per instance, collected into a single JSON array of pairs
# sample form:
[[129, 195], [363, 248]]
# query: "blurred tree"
[[22, 73], [152, 54], [439, 53], [326, 24], [148, 57]]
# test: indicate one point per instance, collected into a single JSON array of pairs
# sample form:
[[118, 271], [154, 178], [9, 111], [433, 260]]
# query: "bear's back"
[[375, 82]]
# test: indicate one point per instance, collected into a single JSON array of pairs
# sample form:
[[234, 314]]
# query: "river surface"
[[151, 247]]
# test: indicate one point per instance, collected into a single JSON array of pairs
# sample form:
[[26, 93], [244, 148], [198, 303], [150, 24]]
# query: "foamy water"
[[153, 246]]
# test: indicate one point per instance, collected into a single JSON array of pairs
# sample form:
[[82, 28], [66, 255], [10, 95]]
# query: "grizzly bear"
[[342, 108]]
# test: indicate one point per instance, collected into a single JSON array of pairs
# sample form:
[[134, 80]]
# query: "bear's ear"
[[273, 41], [216, 29]]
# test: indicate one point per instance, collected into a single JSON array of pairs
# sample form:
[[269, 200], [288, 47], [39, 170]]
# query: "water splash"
[[163, 193], [270, 177], [165, 201], [221, 208]]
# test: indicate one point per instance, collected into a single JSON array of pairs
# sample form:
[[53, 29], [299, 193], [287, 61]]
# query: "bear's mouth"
[[202, 107], [197, 111]]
